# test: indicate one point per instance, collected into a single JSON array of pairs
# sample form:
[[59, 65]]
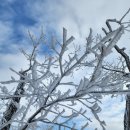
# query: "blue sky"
[[15, 14], [77, 16], [17, 18]]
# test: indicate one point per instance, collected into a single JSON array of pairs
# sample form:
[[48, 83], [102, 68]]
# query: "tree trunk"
[[127, 112], [11, 109]]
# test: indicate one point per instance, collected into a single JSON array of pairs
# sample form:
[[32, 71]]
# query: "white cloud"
[[5, 31], [78, 16], [15, 61]]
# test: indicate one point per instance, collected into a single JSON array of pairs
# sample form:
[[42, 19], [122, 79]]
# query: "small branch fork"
[[116, 21], [119, 50]]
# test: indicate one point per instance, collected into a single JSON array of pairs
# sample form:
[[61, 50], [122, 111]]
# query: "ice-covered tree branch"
[[68, 76]]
